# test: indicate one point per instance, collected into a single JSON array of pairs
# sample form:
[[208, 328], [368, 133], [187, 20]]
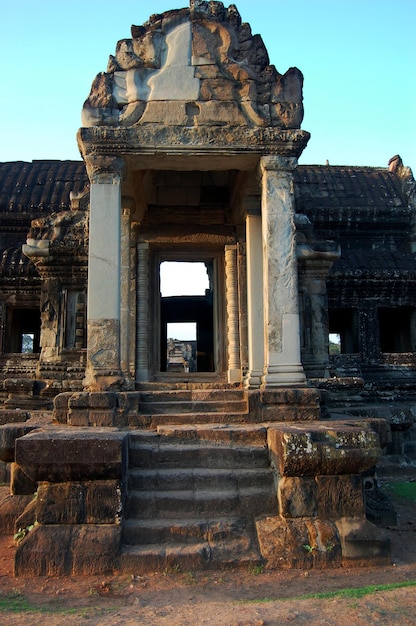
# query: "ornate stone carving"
[[203, 56]]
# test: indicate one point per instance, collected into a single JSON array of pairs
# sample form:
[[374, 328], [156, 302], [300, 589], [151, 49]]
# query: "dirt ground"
[[220, 598]]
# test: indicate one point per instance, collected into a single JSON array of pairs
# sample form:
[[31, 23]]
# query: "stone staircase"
[[184, 406], [192, 495]]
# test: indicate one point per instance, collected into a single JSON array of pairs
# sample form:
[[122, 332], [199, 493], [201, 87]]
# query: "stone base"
[[362, 543], [298, 543], [285, 405], [11, 508], [305, 543], [69, 550]]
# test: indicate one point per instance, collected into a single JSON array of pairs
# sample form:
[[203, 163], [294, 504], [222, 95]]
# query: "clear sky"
[[358, 58]]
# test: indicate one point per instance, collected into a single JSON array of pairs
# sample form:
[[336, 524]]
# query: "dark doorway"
[[186, 317], [22, 331]]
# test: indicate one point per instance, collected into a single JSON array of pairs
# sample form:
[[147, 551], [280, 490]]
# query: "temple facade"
[[190, 143]]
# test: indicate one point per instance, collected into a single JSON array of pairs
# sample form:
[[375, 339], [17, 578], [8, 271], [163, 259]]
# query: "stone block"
[[101, 418], [297, 397], [340, 496], [71, 454], [27, 518], [297, 497], [61, 400], [129, 401], [60, 503], [78, 400], [20, 483], [4, 472], [172, 113], [298, 543], [102, 400], [90, 502], [8, 435], [11, 416], [78, 417], [11, 508], [69, 550], [319, 448], [102, 501], [363, 544]]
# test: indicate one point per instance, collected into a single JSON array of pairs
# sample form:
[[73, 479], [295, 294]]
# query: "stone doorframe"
[[225, 310]]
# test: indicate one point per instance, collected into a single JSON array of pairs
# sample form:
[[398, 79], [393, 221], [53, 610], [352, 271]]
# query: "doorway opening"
[[186, 316], [22, 330]]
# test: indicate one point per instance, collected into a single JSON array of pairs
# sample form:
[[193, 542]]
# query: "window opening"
[[28, 340], [343, 331], [22, 330], [181, 347], [74, 336], [397, 329], [334, 343]]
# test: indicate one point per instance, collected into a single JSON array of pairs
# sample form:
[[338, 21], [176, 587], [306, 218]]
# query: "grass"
[[17, 603], [406, 490], [354, 592]]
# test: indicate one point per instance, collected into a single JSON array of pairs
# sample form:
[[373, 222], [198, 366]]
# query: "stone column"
[[254, 301], [127, 334], [282, 365], [142, 370], [314, 267], [233, 337], [104, 274]]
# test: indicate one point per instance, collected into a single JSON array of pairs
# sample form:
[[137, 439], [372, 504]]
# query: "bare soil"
[[225, 598]]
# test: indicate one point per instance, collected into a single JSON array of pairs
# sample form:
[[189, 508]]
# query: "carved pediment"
[[199, 66]]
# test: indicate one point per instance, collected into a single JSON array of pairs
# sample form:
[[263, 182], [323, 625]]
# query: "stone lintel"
[[322, 448], [70, 454], [199, 141]]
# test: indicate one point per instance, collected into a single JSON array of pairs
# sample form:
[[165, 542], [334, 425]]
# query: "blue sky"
[[358, 58]]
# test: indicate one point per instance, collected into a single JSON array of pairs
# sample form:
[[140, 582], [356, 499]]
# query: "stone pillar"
[[254, 301], [104, 274], [282, 365], [233, 337], [314, 268], [127, 306], [142, 370]]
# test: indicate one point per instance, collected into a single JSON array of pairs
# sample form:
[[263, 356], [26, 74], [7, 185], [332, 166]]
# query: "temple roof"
[[337, 200], [327, 188], [40, 187]]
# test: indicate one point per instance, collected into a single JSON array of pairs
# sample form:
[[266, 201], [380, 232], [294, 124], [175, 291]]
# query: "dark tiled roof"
[[328, 189], [13, 264], [40, 187]]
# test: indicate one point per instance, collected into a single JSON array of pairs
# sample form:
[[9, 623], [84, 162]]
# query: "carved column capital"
[[127, 205], [104, 169], [277, 163]]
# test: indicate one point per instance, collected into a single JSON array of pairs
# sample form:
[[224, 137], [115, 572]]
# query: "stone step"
[[193, 395], [147, 420], [187, 530], [176, 407], [174, 557], [248, 501], [198, 478], [232, 434], [172, 455]]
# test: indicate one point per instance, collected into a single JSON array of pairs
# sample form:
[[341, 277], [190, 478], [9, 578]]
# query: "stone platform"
[[194, 495]]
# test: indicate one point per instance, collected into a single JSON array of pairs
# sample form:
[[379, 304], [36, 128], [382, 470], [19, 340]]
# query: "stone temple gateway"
[[190, 141]]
